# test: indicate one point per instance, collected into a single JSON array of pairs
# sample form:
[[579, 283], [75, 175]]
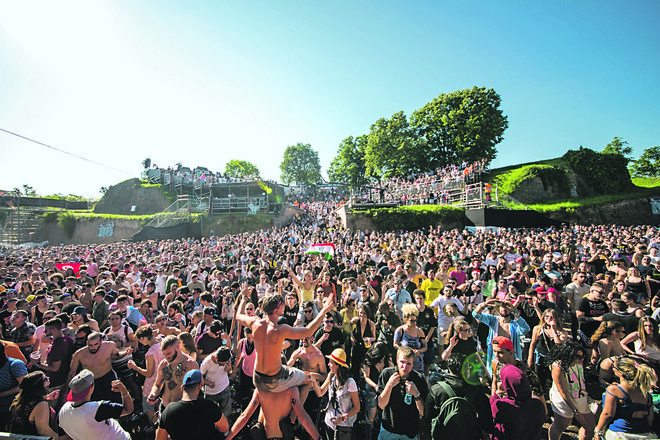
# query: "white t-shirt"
[[80, 424], [216, 373], [43, 346]]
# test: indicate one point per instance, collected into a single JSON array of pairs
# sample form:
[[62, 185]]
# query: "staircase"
[[178, 212], [20, 226]]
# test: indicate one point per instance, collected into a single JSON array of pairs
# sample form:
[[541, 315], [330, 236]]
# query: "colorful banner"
[[325, 249]]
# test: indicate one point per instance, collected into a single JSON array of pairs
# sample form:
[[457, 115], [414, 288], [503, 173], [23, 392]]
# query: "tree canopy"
[[648, 164], [300, 163], [618, 146], [349, 166], [242, 169], [465, 125]]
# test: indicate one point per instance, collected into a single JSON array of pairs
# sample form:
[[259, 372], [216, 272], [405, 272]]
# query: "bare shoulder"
[[190, 362]]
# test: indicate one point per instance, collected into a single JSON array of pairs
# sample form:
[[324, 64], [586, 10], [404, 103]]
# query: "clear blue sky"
[[205, 82]]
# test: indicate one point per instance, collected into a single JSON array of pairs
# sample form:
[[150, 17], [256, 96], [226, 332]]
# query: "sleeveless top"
[[248, 360], [413, 342], [544, 343], [359, 338], [625, 408], [20, 420], [650, 351], [307, 295], [638, 288]]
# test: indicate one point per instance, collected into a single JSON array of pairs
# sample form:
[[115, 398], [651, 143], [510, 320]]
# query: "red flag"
[[63, 267]]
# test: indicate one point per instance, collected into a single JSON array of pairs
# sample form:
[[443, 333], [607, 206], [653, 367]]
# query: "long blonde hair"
[[638, 374]]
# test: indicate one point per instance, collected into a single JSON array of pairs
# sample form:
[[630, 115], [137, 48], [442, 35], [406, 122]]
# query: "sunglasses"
[[249, 308], [329, 322], [307, 311]]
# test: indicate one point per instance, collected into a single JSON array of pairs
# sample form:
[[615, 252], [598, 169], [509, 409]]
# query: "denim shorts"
[[370, 397]]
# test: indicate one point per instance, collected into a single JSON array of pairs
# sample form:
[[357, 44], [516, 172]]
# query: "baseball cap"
[[80, 384], [503, 342], [80, 310], [192, 377], [210, 311]]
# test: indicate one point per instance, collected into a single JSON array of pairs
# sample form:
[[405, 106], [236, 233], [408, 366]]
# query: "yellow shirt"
[[432, 289]]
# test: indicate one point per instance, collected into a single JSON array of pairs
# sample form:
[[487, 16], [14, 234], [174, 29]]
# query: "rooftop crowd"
[[369, 337]]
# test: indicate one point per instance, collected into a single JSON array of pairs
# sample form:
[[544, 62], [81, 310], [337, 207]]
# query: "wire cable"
[[66, 152]]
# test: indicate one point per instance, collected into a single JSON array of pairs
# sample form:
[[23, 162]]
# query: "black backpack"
[[456, 419]]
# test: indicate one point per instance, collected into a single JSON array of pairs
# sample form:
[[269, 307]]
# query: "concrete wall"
[[86, 231], [625, 212]]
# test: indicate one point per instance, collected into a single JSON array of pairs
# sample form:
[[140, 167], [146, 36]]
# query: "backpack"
[[456, 419]]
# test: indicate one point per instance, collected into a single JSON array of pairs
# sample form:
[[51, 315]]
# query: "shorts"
[[284, 379], [560, 407], [146, 406], [429, 355], [370, 397], [103, 388]]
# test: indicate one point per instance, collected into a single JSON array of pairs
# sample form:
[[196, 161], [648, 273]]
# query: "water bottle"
[[408, 398]]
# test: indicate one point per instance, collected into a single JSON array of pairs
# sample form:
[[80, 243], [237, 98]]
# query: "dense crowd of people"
[[395, 335], [434, 187]]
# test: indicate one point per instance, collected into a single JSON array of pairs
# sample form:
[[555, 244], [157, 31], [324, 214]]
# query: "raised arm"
[[240, 315], [304, 332]]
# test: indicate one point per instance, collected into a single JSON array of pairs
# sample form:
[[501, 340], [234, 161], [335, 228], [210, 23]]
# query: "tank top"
[[625, 408], [413, 342], [636, 288], [248, 359], [307, 295]]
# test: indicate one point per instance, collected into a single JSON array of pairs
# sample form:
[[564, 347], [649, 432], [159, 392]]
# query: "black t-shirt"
[[191, 420], [290, 314], [426, 320], [207, 344], [335, 340], [347, 273], [591, 309], [430, 266], [399, 417]]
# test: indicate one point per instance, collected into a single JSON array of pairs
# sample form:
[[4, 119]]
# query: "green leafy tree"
[[242, 169], [392, 150], [604, 173], [349, 164], [300, 163], [463, 125], [618, 146], [648, 164]]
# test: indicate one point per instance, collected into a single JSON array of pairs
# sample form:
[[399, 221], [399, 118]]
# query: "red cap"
[[503, 342]]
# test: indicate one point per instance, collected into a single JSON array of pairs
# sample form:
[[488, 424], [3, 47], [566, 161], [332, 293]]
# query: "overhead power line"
[[66, 152]]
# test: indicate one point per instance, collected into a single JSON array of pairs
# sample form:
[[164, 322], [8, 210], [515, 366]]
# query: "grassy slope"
[[509, 178]]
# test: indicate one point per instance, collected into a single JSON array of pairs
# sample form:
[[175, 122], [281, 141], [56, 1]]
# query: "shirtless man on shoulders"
[[97, 358], [269, 373], [171, 371], [275, 409], [312, 361]]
